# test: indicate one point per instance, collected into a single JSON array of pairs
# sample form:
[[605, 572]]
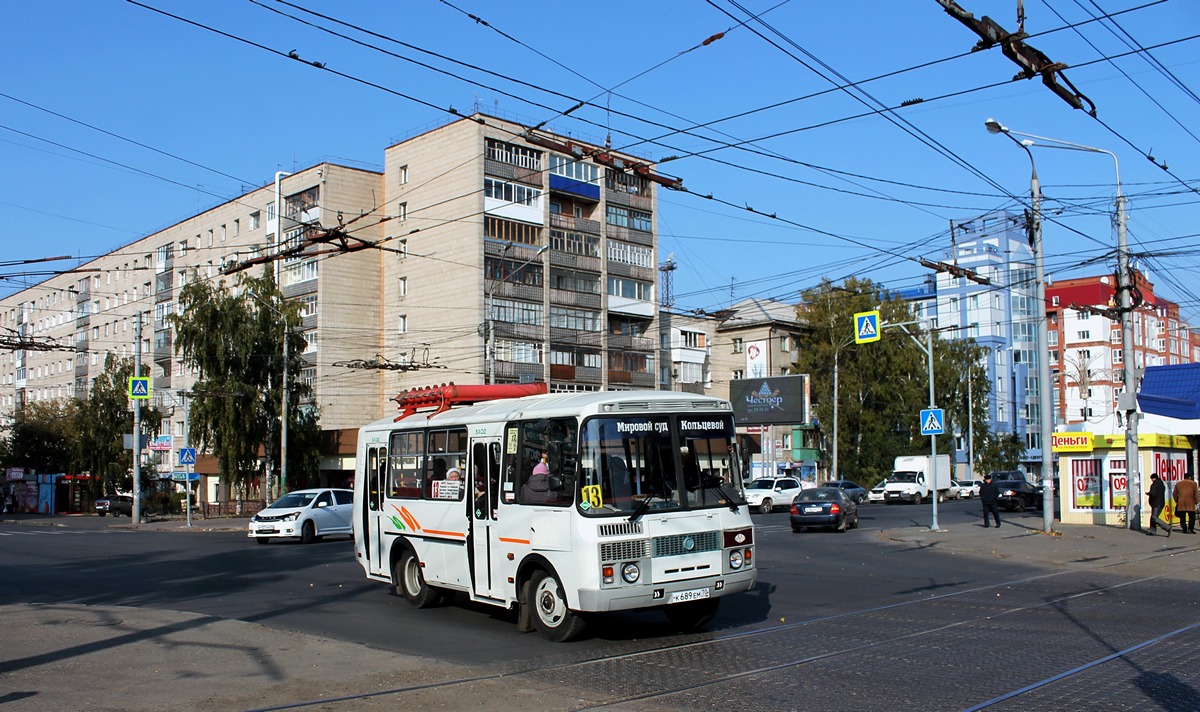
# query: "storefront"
[[1092, 473]]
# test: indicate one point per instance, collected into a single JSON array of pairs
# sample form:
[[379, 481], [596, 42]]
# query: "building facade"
[[1086, 357], [497, 253]]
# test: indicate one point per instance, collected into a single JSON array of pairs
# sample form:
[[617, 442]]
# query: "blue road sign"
[[933, 421], [185, 476], [187, 456], [866, 327], [139, 388]]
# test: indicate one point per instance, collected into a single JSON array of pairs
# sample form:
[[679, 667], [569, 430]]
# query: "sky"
[[814, 139]]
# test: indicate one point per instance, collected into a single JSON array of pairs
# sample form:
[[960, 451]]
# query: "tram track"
[[664, 693]]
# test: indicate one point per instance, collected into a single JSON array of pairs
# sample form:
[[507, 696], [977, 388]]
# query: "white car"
[[306, 515], [876, 493], [767, 493], [961, 490]]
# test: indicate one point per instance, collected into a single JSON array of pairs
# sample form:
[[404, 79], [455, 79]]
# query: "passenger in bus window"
[[537, 489]]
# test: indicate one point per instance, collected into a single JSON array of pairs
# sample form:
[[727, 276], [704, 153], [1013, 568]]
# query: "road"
[[892, 623]]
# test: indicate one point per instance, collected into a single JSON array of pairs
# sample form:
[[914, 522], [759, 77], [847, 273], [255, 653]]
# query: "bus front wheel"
[[410, 582], [551, 616]]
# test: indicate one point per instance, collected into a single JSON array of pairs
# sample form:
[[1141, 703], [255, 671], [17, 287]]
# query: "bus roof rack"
[[442, 397]]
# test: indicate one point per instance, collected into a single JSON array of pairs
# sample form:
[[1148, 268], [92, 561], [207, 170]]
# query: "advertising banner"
[[769, 401], [756, 359]]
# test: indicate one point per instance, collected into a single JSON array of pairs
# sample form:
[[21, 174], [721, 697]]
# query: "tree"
[[103, 420], [882, 385], [1000, 451], [40, 436], [233, 337]]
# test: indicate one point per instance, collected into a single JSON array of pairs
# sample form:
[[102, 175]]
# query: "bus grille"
[[677, 544], [623, 550], [621, 529]]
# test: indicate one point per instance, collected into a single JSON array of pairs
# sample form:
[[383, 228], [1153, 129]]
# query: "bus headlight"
[[735, 559], [631, 573]]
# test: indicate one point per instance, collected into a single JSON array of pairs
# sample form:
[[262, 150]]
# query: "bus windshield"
[[630, 464]]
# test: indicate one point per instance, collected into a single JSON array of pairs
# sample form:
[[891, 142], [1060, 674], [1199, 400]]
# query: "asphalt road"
[[887, 616]]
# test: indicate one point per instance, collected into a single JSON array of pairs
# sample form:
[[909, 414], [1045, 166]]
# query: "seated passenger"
[[537, 489]]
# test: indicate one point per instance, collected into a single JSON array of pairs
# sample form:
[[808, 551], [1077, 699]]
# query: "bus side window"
[[406, 468]]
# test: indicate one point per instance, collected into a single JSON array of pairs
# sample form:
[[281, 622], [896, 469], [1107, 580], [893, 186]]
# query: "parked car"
[[853, 490], [1016, 492], [115, 504], [876, 493], [767, 493], [824, 507], [961, 490], [306, 515]]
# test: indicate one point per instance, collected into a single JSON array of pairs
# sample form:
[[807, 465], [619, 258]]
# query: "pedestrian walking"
[[1157, 498], [1186, 496], [989, 494]]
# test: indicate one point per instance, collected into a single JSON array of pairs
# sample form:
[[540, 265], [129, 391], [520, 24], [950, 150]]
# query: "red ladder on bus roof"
[[448, 394]]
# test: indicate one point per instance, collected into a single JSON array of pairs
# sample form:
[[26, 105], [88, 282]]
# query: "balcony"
[[574, 261], [575, 374], [637, 237], [641, 379], [626, 342], [574, 299], [508, 171], [574, 187], [621, 269], [525, 332], [526, 292], [568, 222], [573, 337], [514, 370], [619, 197], [162, 345]]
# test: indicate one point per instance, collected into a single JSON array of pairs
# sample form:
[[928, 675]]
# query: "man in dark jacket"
[[989, 494], [1157, 497]]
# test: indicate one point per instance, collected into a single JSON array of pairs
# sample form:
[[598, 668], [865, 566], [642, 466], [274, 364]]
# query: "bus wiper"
[[733, 507], [642, 508]]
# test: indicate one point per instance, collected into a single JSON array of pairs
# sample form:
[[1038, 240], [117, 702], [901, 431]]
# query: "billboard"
[[768, 401]]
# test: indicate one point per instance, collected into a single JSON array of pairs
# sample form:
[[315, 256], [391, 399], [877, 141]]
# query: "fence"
[[235, 508]]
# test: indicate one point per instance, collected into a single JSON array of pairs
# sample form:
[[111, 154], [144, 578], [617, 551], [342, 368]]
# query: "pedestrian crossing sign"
[[187, 456], [933, 421], [139, 388], [866, 327]]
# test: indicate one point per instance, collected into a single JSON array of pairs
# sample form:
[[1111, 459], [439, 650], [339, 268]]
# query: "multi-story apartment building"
[[92, 311], [687, 352], [999, 316], [1086, 357], [503, 254]]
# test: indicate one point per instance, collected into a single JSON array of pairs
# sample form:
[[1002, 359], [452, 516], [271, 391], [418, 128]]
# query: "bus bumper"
[[627, 598]]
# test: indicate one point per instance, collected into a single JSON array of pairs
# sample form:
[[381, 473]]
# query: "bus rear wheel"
[[553, 619], [410, 582], [692, 615]]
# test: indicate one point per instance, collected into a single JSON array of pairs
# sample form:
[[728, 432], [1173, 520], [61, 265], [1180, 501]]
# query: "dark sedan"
[[824, 507], [115, 505], [853, 490]]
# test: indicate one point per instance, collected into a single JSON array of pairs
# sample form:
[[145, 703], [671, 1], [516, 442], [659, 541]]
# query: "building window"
[[689, 372], [402, 324], [581, 282], [739, 346], [692, 339], [1084, 335], [630, 361], [574, 169], [402, 211], [515, 312], [518, 351], [626, 253], [629, 288], [575, 243], [578, 319], [402, 286], [1052, 337], [511, 192], [1053, 301], [297, 271], [738, 374], [308, 305], [237, 228], [629, 218], [310, 341], [404, 175], [511, 154], [510, 231], [255, 220]]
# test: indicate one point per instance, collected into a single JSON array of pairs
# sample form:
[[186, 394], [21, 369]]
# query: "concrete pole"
[[970, 427], [137, 425], [834, 473], [283, 412], [1046, 417], [933, 497], [1128, 402]]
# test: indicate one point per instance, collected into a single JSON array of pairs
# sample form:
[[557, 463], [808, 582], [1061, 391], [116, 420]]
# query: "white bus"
[[563, 504]]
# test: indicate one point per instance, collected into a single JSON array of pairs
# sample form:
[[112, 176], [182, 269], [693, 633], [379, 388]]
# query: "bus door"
[[376, 472], [486, 569]]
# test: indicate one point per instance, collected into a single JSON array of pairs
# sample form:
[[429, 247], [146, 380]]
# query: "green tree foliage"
[[882, 385], [999, 451], [103, 420], [233, 336], [40, 437]]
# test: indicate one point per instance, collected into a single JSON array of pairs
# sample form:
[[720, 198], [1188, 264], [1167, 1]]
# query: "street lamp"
[[491, 318], [1128, 401]]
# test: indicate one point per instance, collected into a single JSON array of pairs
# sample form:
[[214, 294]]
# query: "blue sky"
[[855, 190]]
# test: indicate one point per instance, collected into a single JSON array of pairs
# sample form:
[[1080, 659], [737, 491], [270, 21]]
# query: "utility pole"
[[137, 425]]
